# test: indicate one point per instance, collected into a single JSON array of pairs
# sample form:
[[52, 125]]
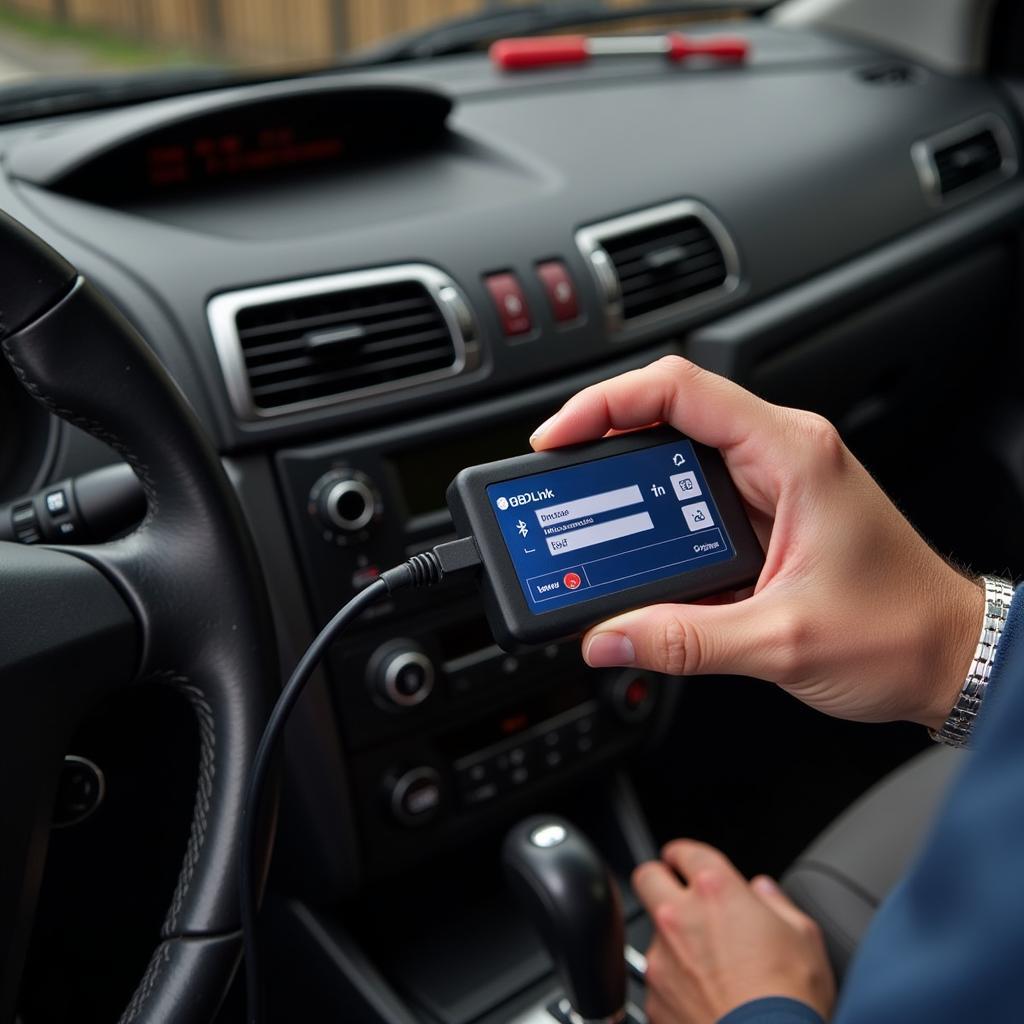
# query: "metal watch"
[[956, 731]]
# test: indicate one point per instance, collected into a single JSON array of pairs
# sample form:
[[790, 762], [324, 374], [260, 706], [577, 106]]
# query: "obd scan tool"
[[567, 538]]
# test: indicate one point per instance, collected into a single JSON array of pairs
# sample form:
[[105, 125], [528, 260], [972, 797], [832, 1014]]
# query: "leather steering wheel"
[[180, 601]]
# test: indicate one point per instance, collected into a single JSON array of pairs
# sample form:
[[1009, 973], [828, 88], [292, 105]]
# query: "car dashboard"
[[364, 281]]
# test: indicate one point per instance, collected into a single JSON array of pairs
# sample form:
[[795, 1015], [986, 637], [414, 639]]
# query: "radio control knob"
[[414, 797], [345, 502], [401, 674]]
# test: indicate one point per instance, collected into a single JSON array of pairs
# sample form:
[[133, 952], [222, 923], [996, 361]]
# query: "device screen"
[[600, 527]]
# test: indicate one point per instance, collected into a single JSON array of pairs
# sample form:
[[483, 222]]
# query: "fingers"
[[656, 886], [708, 408], [700, 864], [743, 638], [695, 863], [658, 1010], [769, 893]]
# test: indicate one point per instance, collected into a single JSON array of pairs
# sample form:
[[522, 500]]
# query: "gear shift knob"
[[566, 887]]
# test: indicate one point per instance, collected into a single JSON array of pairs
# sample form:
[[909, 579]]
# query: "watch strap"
[[956, 731]]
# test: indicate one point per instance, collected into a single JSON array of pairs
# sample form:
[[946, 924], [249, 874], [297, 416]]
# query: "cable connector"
[[429, 568]]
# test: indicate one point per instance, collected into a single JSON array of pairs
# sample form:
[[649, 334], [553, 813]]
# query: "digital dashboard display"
[[267, 138], [208, 157], [604, 526]]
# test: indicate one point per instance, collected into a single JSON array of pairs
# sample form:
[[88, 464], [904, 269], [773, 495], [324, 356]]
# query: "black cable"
[[423, 570], [258, 777]]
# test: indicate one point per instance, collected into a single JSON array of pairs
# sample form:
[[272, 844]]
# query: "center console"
[[446, 734]]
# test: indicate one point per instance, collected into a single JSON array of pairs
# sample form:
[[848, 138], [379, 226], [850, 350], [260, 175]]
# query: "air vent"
[[326, 340], [966, 159], [888, 74], [659, 262]]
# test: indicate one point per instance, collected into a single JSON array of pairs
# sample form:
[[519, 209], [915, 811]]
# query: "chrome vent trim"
[[924, 154], [223, 312], [591, 241]]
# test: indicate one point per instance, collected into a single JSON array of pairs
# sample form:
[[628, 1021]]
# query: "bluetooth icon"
[[522, 528]]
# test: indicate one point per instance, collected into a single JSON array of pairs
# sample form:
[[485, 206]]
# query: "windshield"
[[67, 44]]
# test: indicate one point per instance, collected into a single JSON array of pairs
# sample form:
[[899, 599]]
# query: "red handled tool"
[[539, 51]]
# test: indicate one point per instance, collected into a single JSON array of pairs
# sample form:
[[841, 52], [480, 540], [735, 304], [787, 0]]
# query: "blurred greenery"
[[99, 47]]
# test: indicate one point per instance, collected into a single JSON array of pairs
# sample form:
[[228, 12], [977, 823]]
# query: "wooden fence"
[[255, 30]]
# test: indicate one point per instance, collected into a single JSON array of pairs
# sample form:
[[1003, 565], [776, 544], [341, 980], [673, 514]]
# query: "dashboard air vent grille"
[[888, 74], [959, 162], [659, 262], [665, 264], [308, 343], [967, 160]]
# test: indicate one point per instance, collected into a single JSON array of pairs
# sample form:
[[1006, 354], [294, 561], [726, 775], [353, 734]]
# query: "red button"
[[507, 293], [636, 693], [571, 580], [561, 292]]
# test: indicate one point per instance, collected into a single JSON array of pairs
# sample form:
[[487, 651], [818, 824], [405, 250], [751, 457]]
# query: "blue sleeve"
[[773, 1010], [947, 946]]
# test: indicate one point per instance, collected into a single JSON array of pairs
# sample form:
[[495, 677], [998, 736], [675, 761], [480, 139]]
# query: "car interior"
[[253, 325]]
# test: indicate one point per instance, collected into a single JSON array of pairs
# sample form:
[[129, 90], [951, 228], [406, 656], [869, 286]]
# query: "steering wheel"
[[180, 601]]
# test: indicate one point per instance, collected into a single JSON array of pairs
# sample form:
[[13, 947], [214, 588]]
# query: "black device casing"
[[513, 623]]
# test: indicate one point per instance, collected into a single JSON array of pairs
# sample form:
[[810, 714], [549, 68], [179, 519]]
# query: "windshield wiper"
[[47, 97], [463, 35]]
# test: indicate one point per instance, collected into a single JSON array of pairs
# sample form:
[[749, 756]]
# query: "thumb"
[[690, 639], [769, 893]]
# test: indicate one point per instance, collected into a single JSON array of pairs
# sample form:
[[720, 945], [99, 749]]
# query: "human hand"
[[853, 613], [721, 942]]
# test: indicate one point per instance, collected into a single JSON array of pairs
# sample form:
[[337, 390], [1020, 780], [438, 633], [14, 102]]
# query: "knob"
[[345, 501], [400, 674], [80, 791], [566, 888], [414, 796], [632, 695]]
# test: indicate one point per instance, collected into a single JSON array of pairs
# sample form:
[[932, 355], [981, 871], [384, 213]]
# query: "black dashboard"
[[525, 163], [357, 313]]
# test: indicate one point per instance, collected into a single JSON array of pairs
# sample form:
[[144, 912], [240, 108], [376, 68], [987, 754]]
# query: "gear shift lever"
[[573, 900]]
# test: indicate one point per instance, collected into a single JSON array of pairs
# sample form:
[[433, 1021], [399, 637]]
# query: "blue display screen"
[[604, 526]]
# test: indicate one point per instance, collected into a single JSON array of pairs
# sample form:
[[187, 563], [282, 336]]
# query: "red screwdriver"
[[538, 51]]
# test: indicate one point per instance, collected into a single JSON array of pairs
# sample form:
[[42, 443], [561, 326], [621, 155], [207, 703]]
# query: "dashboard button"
[[415, 796], [80, 791], [633, 695], [410, 679], [508, 297], [560, 290], [349, 505], [584, 725], [400, 674], [56, 503], [344, 503], [636, 693], [482, 794], [363, 577]]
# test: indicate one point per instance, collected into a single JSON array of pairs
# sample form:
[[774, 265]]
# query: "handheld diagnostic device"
[[570, 537]]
